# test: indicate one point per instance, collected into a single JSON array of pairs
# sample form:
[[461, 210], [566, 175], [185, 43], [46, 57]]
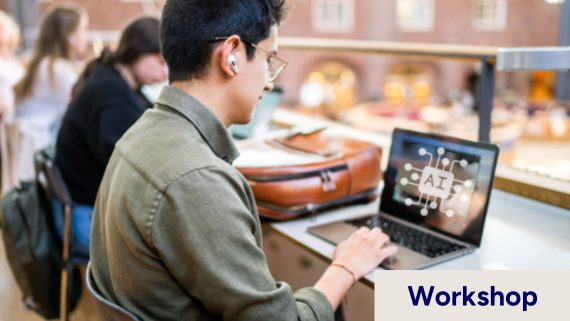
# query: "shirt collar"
[[208, 124]]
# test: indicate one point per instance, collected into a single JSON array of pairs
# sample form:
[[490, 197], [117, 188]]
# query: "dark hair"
[[139, 38], [188, 26], [52, 43]]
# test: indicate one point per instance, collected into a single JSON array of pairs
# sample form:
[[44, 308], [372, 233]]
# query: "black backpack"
[[33, 248]]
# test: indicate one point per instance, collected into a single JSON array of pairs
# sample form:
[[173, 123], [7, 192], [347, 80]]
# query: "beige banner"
[[472, 295]]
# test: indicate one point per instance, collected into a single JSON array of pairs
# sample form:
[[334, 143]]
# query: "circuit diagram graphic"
[[434, 183]]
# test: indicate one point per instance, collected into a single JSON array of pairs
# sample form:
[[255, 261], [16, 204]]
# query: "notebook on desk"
[[434, 202]]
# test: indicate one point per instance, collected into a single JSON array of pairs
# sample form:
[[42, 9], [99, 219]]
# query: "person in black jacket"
[[107, 100]]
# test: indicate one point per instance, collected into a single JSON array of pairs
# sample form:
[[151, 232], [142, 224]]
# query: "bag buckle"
[[313, 209], [328, 184]]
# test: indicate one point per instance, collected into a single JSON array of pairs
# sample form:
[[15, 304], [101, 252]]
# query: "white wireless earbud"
[[232, 62]]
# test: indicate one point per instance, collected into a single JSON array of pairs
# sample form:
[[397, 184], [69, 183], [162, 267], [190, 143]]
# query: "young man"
[[176, 235]]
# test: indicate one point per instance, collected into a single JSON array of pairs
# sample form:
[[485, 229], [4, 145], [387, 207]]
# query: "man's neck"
[[209, 95]]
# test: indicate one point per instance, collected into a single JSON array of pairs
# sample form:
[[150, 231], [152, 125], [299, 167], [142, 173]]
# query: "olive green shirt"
[[176, 234]]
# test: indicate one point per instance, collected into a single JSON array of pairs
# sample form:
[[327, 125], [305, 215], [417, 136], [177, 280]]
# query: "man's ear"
[[230, 59]]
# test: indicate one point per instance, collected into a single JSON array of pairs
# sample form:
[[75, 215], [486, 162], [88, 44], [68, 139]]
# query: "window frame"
[[425, 24], [498, 24], [343, 24]]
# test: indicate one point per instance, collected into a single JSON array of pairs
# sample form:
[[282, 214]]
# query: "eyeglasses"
[[275, 64]]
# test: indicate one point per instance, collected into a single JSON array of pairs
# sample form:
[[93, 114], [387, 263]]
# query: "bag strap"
[[287, 142], [304, 132], [284, 146], [38, 164], [24, 219], [56, 188]]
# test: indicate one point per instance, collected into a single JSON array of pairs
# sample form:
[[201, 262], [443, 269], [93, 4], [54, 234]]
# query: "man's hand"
[[361, 254], [363, 251]]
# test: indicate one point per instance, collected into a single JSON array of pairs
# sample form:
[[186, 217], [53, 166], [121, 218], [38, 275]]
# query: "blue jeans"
[[81, 218]]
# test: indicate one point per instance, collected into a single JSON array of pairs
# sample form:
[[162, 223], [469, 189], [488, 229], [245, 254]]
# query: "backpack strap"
[[20, 209]]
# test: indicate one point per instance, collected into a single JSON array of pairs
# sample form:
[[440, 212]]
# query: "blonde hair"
[[7, 22], [53, 43]]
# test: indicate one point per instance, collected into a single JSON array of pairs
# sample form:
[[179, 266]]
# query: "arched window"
[[408, 82], [329, 89]]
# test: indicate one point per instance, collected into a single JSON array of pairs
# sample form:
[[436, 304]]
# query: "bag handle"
[[304, 132], [283, 142], [283, 145]]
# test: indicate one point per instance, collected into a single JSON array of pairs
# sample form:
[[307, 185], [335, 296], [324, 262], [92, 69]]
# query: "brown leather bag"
[[306, 172]]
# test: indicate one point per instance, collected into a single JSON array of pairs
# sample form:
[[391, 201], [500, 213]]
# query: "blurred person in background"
[[107, 100], [11, 71], [44, 92]]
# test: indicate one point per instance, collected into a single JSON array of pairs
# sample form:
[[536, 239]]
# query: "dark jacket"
[[95, 120]]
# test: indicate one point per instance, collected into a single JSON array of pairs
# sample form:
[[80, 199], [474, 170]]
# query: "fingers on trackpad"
[[390, 260]]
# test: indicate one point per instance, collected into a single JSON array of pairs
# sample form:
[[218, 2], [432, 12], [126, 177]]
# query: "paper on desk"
[[257, 153]]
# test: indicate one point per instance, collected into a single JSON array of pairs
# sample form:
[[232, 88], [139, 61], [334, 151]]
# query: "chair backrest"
[[108, 311], [45, 163]]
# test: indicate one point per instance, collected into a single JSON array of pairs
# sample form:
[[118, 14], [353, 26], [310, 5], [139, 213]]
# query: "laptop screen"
[[441, 183], [260, 123]]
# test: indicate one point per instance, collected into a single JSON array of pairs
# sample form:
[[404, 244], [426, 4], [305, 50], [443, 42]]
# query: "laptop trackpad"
[[405, 259], [334, 232]]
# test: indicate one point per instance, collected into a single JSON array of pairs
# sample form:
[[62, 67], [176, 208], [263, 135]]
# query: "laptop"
[[260, 123], [434, 203]]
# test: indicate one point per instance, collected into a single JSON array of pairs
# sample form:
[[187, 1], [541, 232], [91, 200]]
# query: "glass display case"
[[531, 129]]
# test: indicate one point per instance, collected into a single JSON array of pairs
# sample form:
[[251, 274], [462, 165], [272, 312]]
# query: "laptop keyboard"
[[413, 239]]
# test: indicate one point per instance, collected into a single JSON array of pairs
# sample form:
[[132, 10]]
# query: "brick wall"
[[529, 23], [111, 15]]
